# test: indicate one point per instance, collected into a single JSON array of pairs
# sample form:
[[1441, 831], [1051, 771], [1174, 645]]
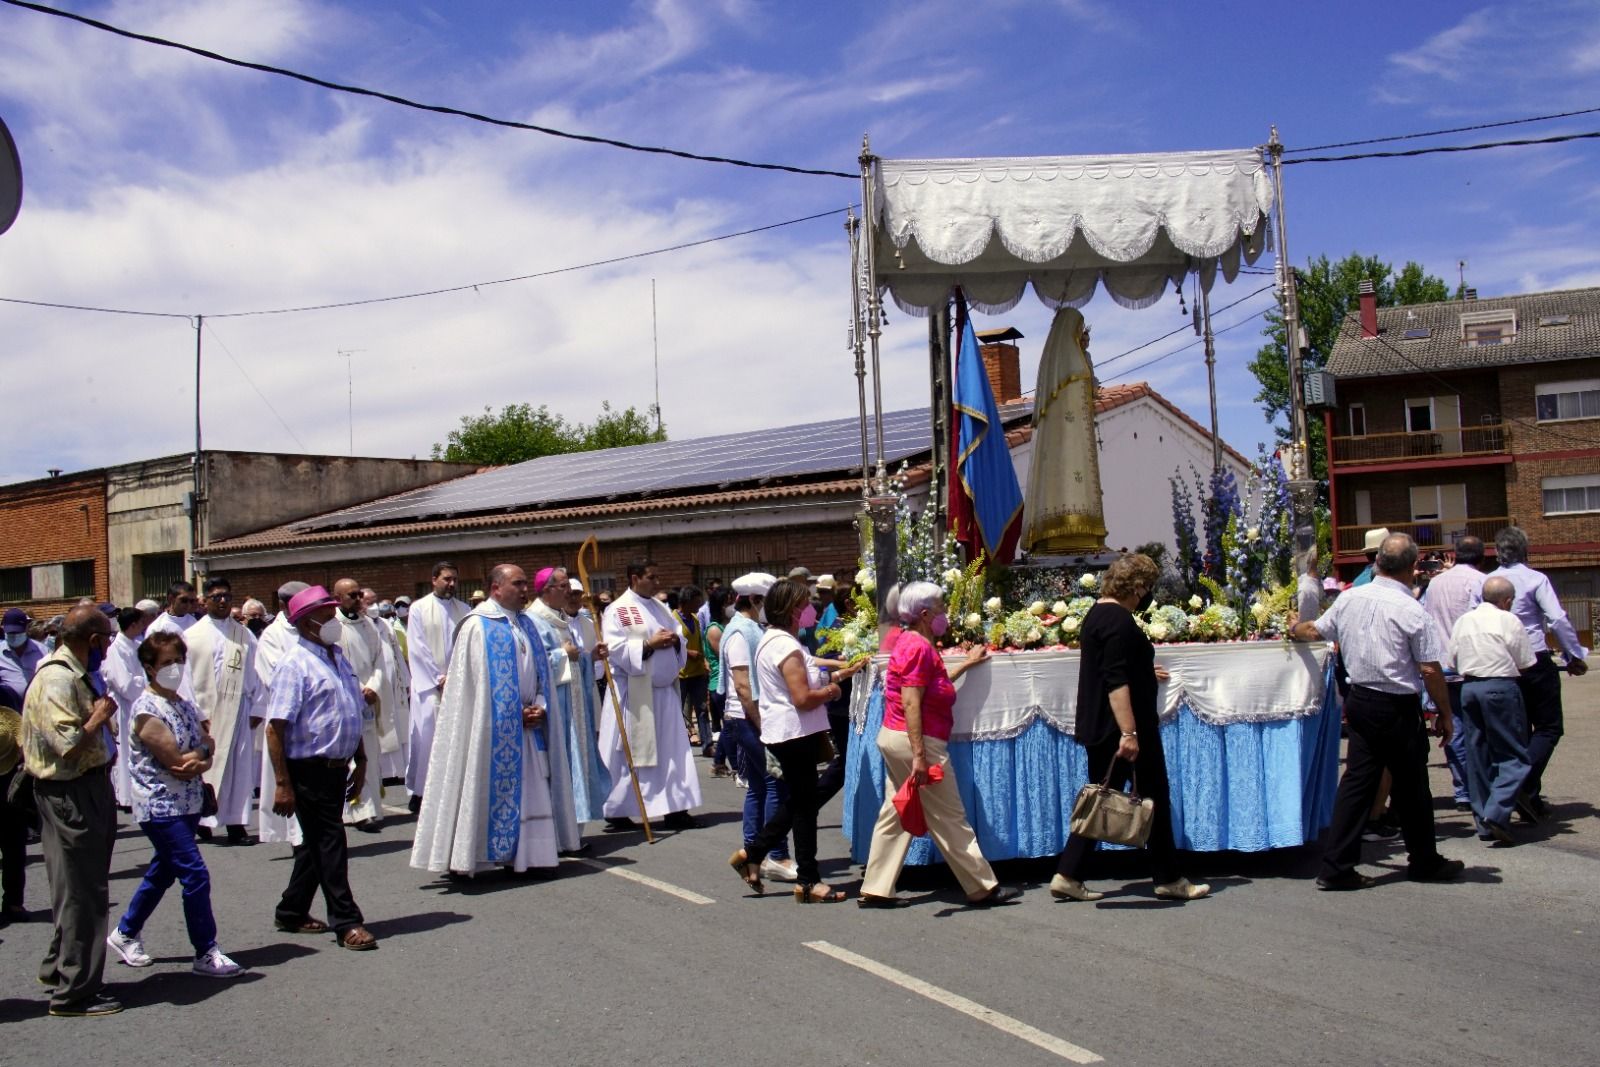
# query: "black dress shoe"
[[1463, 805], [999, 896], [99, 1004], [203, 833], [1346, 883], [415, 803], [1529, 807], [881, 902], [582, 849], [238, 835], [680, 820], [617, 826], [1442, 870]]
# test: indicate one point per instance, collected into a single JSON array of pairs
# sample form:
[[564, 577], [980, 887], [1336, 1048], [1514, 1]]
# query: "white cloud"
[[1444, 54]]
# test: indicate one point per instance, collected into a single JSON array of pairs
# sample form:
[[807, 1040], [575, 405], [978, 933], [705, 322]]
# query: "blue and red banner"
[[985, 499]]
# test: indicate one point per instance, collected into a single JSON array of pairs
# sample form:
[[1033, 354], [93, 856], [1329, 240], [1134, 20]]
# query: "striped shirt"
[[1384, 635]]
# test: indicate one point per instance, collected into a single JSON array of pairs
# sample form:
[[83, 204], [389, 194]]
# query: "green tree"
[[522, 432], [1328, 292]]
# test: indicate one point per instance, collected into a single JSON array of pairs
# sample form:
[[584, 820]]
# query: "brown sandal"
[[307, 925], [358, 946], [805, 893], [740, 861]]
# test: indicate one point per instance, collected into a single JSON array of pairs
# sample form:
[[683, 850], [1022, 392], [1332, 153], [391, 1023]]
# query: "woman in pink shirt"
[[918, 713]]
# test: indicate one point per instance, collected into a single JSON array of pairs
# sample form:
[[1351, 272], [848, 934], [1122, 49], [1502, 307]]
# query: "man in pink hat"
[[314, 734]]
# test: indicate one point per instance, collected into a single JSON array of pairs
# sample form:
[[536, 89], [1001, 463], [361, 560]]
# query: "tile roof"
[[1392, 353], [1111, 397]]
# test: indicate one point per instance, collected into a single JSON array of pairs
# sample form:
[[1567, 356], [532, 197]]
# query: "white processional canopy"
[[1134, 224]]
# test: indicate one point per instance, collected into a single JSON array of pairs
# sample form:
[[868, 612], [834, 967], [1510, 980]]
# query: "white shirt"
[[780, 719], [1384, 634], [1490, 643], [735, 653], [1308, 597]]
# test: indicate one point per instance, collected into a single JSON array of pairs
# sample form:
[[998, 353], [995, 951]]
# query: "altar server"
[[646, 655], [362, 645], [182, 603], [573, 703], [488, 801], [430, 635], [125, 682], [221, 672]]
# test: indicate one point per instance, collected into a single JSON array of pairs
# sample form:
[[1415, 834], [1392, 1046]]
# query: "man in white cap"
[[430, 635], [827, 614], [1374, 541], [313, 735], [647, 652], [741, 718]]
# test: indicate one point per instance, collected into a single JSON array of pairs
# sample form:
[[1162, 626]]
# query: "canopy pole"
[[1302, 490], [1211, 373], [857, 341], [939, 415], [874, 304]]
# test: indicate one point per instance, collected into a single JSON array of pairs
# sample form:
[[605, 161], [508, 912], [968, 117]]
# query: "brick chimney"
[[1002, 363], [1369, 310]]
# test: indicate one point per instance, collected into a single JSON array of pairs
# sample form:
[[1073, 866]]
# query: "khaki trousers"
[[947, 822]]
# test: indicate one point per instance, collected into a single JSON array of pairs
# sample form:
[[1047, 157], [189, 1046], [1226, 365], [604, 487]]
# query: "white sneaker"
[[213, 964], [131, 949], [780, 870]]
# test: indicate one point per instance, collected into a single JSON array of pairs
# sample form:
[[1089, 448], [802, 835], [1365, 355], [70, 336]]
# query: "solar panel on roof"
[[1556, 320], [712, 463], [1420, 333]]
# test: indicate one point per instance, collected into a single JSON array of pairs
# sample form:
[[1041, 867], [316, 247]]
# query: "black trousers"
[[797, 812], [321, 859], [1385, 733], [1541, 694], [13, 845], [1152, 767]]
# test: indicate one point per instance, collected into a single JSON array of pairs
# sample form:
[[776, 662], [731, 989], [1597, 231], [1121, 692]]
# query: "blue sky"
[[162, 181]]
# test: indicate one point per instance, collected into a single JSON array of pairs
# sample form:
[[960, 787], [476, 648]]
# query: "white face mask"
[[372, 611], [170, 676], [402, 611], [728, 613], [331, 631]]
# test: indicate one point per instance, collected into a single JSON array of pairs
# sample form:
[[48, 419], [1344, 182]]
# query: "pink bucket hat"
[[308, 600]]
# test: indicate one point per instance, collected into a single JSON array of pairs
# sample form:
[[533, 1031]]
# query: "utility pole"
[[199, 458], [1302, 490], [655, 348], [1211, 375], [350, 392]]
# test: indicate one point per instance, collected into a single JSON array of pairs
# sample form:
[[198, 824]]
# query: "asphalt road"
[[595, 968]]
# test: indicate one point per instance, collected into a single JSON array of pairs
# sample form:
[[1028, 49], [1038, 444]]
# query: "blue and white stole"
[[505, 735]]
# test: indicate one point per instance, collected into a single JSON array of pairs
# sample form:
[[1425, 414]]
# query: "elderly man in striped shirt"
[[1392, 650]]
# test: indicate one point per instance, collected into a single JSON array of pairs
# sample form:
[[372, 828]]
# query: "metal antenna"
[[350, 392], [655, 346]]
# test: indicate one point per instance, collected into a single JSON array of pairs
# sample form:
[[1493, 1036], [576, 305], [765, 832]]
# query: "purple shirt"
[[1536, 607], [1452, 594]]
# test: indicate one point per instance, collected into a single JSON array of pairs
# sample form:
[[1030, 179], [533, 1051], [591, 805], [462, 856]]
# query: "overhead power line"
[[1101, 365], [1168, 355], [1409, 152], [430, 292], [441, 109], [1441, 133]]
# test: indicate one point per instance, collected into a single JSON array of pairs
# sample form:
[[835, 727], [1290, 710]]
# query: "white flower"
[[863, 576], [1158, 631], [1088, 581], [992, 605], [1253, 534], [1058, 608], [868, 584], [1196, 603], [1035, 635], [972, 621], [1036, 608], [1260, 611], [849, 639], [951, 575], [1069, 625]]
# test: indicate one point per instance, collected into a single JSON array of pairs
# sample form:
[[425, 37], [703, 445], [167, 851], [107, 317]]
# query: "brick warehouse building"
[[1466, 416], [55, 549]]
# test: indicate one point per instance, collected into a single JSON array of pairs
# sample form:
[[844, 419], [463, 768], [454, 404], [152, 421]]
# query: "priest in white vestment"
[[488, 801], [577, 800], [125, 682], [394, 715], [276, 640], [430, 635], [363, 647], [221, 672], [646, 655]]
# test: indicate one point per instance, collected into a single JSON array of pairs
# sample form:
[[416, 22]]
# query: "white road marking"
[[644, 879], [1004, 1023]]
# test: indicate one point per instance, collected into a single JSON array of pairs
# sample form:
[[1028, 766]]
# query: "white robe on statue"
[[363, 647], [276, 641], [430, 633], [125, 683], [227, 690], [648, 688], [488, 798]]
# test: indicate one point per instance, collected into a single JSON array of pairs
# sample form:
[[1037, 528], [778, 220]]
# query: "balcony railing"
[[1431, 534], [1390, 447]]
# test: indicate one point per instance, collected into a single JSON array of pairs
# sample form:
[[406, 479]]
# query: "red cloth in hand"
[[908, 802]]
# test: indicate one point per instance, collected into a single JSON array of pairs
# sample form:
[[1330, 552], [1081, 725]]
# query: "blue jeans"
[[748, 756], [1455, 753], [177, 859], [1494, 724]]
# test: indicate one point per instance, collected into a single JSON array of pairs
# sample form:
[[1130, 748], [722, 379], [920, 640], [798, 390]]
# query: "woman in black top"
[[1117, 722]]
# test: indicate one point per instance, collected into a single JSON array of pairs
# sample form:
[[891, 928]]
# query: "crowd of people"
[[509, 721]]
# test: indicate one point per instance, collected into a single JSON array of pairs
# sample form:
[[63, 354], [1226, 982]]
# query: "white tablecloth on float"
[[1222, 684]]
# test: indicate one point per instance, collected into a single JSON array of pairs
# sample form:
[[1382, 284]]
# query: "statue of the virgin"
[[1064, 515]]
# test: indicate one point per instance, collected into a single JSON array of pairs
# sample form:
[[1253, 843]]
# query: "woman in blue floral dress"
[[168, 752]]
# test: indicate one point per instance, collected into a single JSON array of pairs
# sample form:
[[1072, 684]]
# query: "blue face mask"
[[18, 640], [97, 656]]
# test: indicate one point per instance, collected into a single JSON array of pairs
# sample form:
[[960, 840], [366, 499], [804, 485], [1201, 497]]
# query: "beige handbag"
[[1107, 814]]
